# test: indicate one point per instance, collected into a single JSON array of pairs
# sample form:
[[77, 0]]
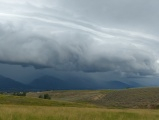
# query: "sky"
[[99, 40]]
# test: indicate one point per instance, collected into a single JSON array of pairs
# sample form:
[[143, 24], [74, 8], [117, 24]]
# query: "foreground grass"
[[17, 112], [76, 105]]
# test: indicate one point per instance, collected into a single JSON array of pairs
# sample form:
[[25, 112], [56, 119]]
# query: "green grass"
[[82, 105], [17, 112], [72, 95], [19, 100]]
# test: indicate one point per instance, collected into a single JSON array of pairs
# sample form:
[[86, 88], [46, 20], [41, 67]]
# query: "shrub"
[[47, 96]]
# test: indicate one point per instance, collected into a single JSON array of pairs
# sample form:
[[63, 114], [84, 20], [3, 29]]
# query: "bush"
[[45, 96]]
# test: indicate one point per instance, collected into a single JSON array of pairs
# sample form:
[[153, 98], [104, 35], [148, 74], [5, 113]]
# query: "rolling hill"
[[126, 98], [131, 98]]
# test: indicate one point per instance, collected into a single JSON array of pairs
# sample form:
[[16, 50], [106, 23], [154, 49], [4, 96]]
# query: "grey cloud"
[[59, 35], [138, 15]]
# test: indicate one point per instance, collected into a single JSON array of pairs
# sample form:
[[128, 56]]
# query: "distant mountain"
[[52, 83], [134, 84], [48, 83], [115, 85], [8, 84]]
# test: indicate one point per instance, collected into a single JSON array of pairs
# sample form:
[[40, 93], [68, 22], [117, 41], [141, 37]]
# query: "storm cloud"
[[85, 35]]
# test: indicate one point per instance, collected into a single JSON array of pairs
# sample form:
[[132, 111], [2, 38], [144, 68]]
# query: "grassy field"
[[127, 98], [18, 112], [21, 100], [131, 98], [83, 105], [77, 96]]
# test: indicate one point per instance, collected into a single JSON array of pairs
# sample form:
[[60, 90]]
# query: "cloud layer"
[[77, 36]]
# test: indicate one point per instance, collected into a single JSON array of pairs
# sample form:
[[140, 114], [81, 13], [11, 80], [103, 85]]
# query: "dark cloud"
[[86, 35]]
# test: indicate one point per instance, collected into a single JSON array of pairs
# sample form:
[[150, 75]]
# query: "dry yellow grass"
[[17, 112]]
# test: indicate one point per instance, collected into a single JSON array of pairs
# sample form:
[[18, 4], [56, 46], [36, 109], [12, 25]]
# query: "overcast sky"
[[95, 39]]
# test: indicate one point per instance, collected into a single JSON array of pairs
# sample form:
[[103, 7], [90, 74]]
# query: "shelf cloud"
[[85, 35]]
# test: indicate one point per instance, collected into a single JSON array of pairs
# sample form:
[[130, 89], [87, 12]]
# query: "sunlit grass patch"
[[16, 112]]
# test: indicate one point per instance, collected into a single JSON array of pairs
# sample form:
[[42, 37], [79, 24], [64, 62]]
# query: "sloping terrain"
[[127, 98], [131, 98], [72, 95]]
